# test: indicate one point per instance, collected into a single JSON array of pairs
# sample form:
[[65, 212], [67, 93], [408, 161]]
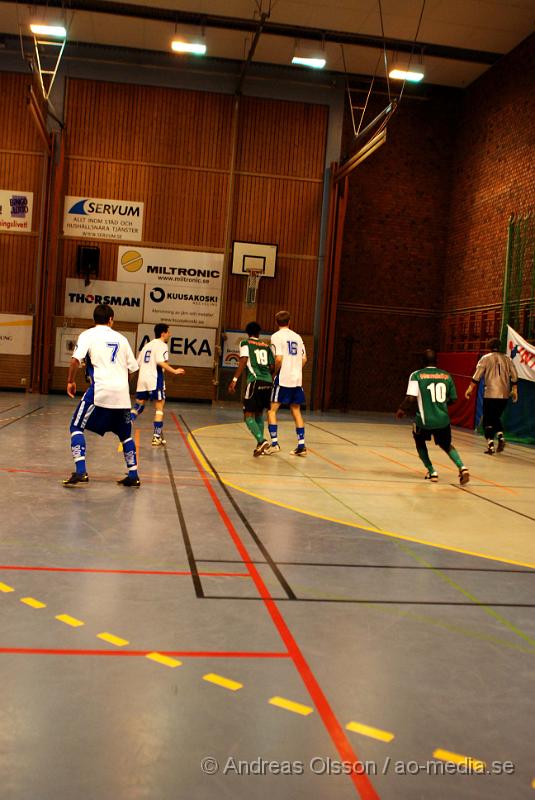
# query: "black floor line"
[[376, 602], [366, 566], [330, 433], [17, 419], [265, 552], [197, 585], [494, 503], [5, 410]]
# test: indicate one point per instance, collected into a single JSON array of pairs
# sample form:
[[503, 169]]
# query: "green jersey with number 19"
[[259, 358], [433, 389]]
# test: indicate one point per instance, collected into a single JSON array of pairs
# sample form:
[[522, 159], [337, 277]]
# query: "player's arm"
[[242, 363], [409, 406], [131, 360], [480, 371], [452, 392], [514, 381], [278, 364], [303, 355], [71, 377], [171, 370]]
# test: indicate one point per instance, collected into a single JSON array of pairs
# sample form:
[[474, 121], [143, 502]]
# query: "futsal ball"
[[131, 261]]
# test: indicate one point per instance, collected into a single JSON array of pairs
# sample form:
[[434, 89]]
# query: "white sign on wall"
[[183, 287], [126, 299], [95, 218], [231, 347], [66, 339], [16, 210], [15, 335], [188, 347]]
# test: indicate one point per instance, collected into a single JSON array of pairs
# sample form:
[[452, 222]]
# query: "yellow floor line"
[[109, 637], [31, 601], [68, 620], [5, 588], [167, 661], [219, 680], [456, 758], [367, 730], [289, 705], [533, 783]]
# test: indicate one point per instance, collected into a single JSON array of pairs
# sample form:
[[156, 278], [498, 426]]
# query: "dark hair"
[[282, 317], [429, 357], [160, 328], [495, 344], [102, 314], [253, 329]]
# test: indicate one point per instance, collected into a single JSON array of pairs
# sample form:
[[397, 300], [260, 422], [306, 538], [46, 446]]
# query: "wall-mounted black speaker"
[[87, 263]]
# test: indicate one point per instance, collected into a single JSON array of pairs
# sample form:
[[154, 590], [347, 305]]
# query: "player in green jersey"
[[429, 393], [257, 358]]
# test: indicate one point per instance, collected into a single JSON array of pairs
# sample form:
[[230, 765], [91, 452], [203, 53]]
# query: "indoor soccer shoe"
[[128, 481], [464, 476], [501, 444], [432, 476], [158, 441], [274, 448], [490, 449], [76, 479], [300, 450], [261, 449]]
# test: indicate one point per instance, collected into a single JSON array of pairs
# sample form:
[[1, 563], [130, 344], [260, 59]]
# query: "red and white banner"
[[522, 354]]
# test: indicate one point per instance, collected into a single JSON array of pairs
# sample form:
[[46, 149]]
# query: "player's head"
[[495, 345], [102, 314], [282, 318], [429, 357], [253, 329], [159, 329]]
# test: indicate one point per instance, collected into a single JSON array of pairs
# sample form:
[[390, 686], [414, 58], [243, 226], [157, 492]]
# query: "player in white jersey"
[[290, 358], [105, 406], [151, 382]]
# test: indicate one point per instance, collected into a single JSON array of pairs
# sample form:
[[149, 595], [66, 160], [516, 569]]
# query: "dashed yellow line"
[[289, 705], [112, 639], [31, 601], [367, 730], [474, 764], [167, 661], [68, 620], [219, 680], [5, 588]]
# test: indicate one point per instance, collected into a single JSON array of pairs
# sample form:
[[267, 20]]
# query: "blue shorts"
[[156, 394], [100, 420], [287, 395]]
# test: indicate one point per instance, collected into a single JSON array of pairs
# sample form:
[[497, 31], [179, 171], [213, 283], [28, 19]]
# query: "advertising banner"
[[126, 299], [183, 287], [66, 339], [188, 347], [15, 335], [522, 354], [95, 218], [16, 210]]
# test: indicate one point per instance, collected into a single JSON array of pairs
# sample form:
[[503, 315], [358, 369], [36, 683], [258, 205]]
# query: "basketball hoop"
[[253, 279]]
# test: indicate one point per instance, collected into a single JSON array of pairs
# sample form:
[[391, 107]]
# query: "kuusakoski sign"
[[15, 211], [126, 299], [95, 218], [188, 347], [182, 287]]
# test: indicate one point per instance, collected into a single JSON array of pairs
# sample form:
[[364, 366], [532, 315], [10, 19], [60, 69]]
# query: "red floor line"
[[48, 651], [335, 730], [127, 571]]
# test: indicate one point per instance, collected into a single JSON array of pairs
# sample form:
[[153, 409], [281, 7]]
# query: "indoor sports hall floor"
[[246, 628]]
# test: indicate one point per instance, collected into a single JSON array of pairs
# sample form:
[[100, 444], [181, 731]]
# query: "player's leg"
[[139, 407], [123, 429], [157, 435], [443, 439], [489, 423], [272, 426], [500, 408], [420, 440], [297, 399], [78, 446]]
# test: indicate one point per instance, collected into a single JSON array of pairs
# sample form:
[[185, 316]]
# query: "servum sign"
[[95, 218], [182, 287], [188, 347], [126, 299]]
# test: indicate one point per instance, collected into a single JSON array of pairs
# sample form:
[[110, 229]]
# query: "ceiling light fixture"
[[49, 30], [309, 61], [180, 46]]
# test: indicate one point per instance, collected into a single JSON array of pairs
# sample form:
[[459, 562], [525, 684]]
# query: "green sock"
[[260, 422], [456, 458], [424, 456], [253, 427]]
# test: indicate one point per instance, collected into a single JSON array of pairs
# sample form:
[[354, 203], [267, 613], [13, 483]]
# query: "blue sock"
[[130, 457], [137, 410], [78, 451], [158, 427], [273, 433], [300, 437]]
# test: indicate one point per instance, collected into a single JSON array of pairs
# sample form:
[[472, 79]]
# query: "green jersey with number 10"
[[259, 358], [433, 389]]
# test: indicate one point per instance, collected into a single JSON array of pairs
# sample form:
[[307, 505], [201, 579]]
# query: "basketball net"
[[253, 279]]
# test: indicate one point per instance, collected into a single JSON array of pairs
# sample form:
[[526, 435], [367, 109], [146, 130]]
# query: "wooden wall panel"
[[18, 259], [14, 372], [17, 130]]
